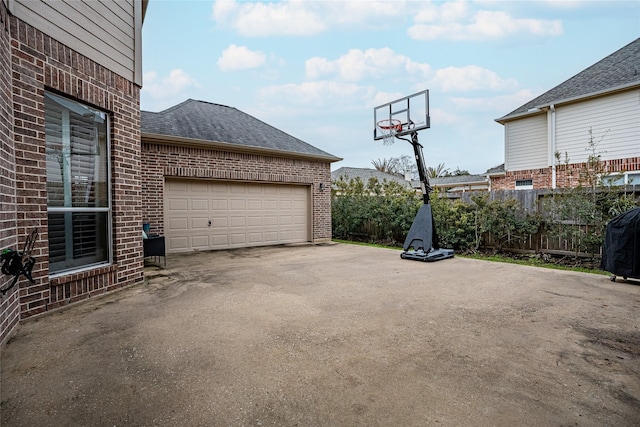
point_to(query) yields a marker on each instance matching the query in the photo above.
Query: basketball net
(388, 129)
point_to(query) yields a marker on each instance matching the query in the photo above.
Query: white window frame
(67, 183)
(523, 187)
(628, 178)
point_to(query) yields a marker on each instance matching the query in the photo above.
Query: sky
(316, 69)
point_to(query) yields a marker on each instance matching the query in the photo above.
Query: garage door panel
(254, 221)
(254, 205)
(178, 243)
(179, 204)
(237, 204)
(285, 220)
(271, 220)
(255, 237)
(271, 205)
(200, 242)
(199, 223)
(220, 222)
(219, 204)
(238, 189)
(177, 186)
(201, 215)
(176, 224)
(237, 239)
(220, 240)
(200, 205)
(238, 221)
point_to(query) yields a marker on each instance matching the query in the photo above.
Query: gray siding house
(547, 139)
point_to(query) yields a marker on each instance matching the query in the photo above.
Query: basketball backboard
(406, 115)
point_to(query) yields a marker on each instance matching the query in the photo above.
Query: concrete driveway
(333, 335)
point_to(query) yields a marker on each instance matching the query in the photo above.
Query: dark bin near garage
(621, 251)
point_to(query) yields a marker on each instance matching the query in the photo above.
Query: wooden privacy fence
(533, 201)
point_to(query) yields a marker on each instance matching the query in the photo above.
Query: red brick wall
(39, 63)
(160, 161)
(567, 176)
(9, 308)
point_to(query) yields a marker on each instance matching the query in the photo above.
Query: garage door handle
(209, 223)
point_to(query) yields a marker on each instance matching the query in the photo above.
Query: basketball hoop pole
(403, 119)
(422, 170)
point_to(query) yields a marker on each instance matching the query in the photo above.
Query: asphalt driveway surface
(333, 335)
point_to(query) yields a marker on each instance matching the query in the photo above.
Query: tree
(438, 171)
(460, 172)
(401, 165)
(385, 165)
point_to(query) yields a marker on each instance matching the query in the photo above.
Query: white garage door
(203, 215)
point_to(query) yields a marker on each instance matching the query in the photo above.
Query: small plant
(579, 215)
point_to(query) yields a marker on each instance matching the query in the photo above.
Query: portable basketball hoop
(403, 119)
(388, 129)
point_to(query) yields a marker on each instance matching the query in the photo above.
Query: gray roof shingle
(209, 122)
(620, 69)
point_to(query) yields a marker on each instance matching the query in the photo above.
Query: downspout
(552, 108)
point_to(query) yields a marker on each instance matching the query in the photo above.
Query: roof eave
(459, 184)
(225, 146)
(539, 109)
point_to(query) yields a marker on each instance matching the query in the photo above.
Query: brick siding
(40, 63)
(9, 307)
(160, 161)
(567, 176)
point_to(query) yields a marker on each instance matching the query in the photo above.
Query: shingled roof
(617, 71)
(222, 126)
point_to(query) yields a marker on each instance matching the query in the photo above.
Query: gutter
(539, 108)
(552, 112)
(226, 146)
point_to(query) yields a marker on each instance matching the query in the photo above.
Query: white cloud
(264, 18)
(357, 65)
(240, 58)
(502, 104)
(302, 18)
(176, 83)
(470, 78)
(314, 94)
(455, 21)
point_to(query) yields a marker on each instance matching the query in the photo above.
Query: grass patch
(530, 260)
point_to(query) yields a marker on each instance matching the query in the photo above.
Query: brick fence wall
(567, 176)
(161, 160)
(40, 63)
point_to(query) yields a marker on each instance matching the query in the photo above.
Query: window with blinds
(79, 208)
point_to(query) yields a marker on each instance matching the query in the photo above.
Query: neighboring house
(70, 78)
(458, 183)
(365, 174)
(217, 178)
(447, 185)
(541, 135)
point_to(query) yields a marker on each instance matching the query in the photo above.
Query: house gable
(598, 106)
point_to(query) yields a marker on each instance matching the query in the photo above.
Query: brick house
(70, 78)
(215, 177)
(547, 139)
